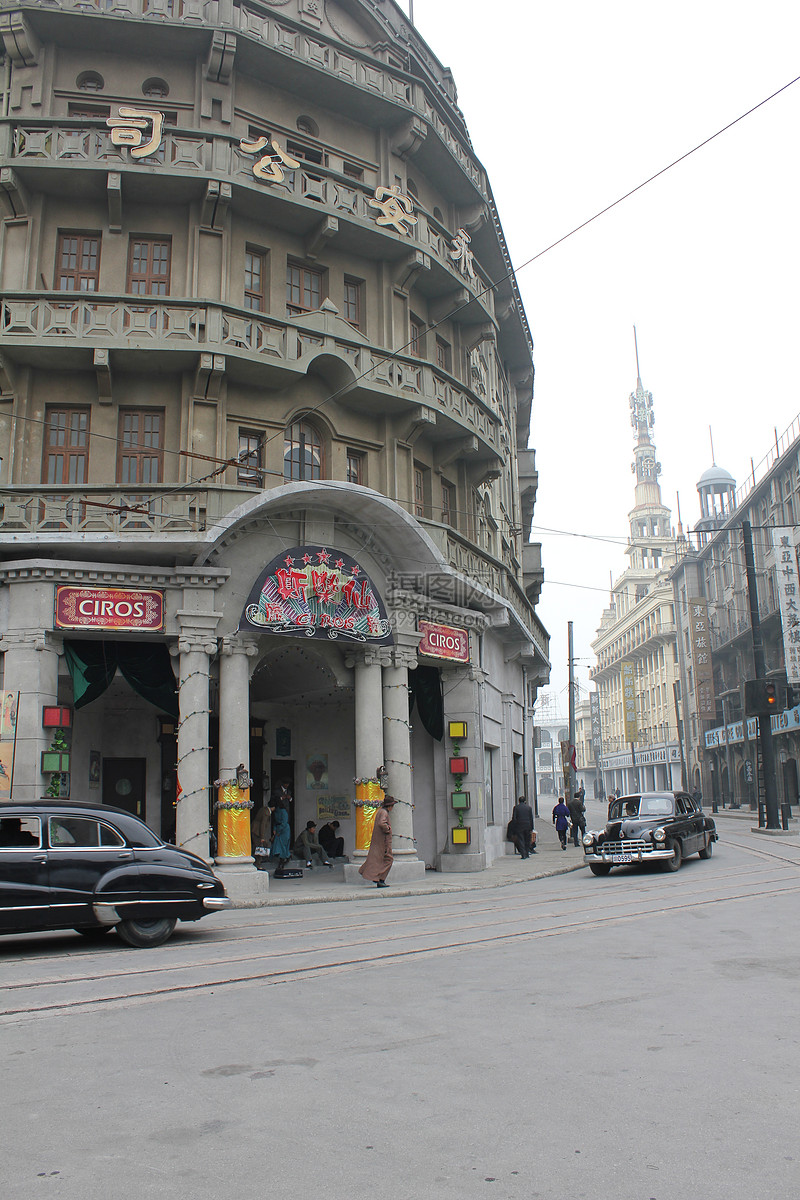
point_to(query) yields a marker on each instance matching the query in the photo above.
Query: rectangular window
(352, 171)
(419, 492)
(248, 473)
(78, 262)
(66, 445)
(149, 262)
(304, 291)
(355, 467)
(141, 446)
(255, 275)
(303, 153)
(353, 308)
(416, 345)
(444, 356)
(448, 503)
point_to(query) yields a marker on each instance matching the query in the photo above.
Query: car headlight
(588, 839)
(660, 835)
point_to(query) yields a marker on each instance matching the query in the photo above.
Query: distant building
(709, 582)
(636, 646)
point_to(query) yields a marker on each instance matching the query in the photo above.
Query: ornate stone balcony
(88, 329)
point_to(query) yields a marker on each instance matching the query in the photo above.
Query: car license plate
(621, 858)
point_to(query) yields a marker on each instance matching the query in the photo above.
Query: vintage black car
(650, 827)
(65, 865)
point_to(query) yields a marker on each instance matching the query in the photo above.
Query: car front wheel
(674, 863)
(599, 868)
(708, 851)
(146, 933)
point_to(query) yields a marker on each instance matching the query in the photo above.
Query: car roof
(13, 808)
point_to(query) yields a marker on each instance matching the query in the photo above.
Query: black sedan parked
(91, 868)
(650, 827)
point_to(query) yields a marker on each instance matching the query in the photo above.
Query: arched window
(302, 452)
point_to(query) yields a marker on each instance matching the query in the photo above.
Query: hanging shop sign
(785, 542)
(116, 609)
(443, 641)
(310, 591)
(705, 699)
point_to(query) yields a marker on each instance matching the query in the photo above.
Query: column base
(785, 833)
(243, 884)
(450, 863)
(404, 870)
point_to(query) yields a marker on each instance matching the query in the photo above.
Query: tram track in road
(493, 934)
(317, 938)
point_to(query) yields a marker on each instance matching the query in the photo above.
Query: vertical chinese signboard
(784, 542)
(705, 699)
(629, 701)
(597, 738)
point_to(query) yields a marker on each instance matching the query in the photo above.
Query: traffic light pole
(764, 726)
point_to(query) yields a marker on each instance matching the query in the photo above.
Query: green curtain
(425, 688)
(145, 665)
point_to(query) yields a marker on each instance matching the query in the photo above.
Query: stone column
(195, 647)
(30, 669)
(368, 729)
(234, 736)
(397, 759)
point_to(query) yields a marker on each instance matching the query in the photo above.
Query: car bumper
(619, 858)
(215, 903)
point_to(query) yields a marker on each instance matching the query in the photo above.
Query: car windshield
(628, 807)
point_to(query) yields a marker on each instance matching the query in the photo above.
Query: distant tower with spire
(652, 543)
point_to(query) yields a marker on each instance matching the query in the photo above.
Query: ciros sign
(116, 609)
(443, 641)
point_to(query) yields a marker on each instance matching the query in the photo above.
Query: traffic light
(761, 697)
(792, 696)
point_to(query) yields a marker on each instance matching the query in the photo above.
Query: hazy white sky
(570, 104)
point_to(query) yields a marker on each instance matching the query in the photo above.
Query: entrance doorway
(124, 784)
(281, 774)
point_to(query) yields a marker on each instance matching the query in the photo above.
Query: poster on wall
(6, 767)
(311, 591)
(334, 808)
(8, 718)
(317, 772)
(95, 768)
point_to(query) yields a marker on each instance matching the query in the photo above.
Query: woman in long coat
(378, 862)
(281, 834)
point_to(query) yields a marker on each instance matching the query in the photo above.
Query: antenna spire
(711, 439)
(636, 347)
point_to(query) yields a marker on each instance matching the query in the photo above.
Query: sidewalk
(321, 884)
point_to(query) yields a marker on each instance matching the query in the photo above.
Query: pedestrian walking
(522, 818)
(561, 821)
(577, 815)
(378, 863)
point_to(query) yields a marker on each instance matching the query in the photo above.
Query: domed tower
(717, 491)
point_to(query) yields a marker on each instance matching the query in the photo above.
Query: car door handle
(40, 858)
(124, 855)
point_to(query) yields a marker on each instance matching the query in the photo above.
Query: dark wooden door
(124, 784)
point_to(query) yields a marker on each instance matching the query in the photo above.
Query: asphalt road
(630, 1037)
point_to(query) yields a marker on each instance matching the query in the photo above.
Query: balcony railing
(93, 321)
(56, 510)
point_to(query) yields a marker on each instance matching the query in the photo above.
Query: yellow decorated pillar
(233, 787)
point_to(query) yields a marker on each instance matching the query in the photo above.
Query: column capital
(238, 645)
(369, 656)
(404, 656)
(32, 639)
(196, 631)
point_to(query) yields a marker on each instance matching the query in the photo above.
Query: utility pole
(764, 726)
(573, 783)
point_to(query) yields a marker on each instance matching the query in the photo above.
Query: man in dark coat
(522, 818)
(330, 840)
(378, 863)
(577, 815)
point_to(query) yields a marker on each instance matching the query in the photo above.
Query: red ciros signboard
(443, 641)
(109, 608)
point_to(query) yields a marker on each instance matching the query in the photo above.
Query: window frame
(416, 341)
(296, 309)
(251, 293)
(354, 302)
(140, 452)
(448, 503)
(302, 423)
(70, 451)
(78, 274)
(357, 459)
(148, 276)
(251, 476)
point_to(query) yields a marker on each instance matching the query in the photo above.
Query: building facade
(265, 395)
(636, 646)
(710, 591)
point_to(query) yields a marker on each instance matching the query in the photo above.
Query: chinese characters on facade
(785, 546)
(141, 130)
(705, 700)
